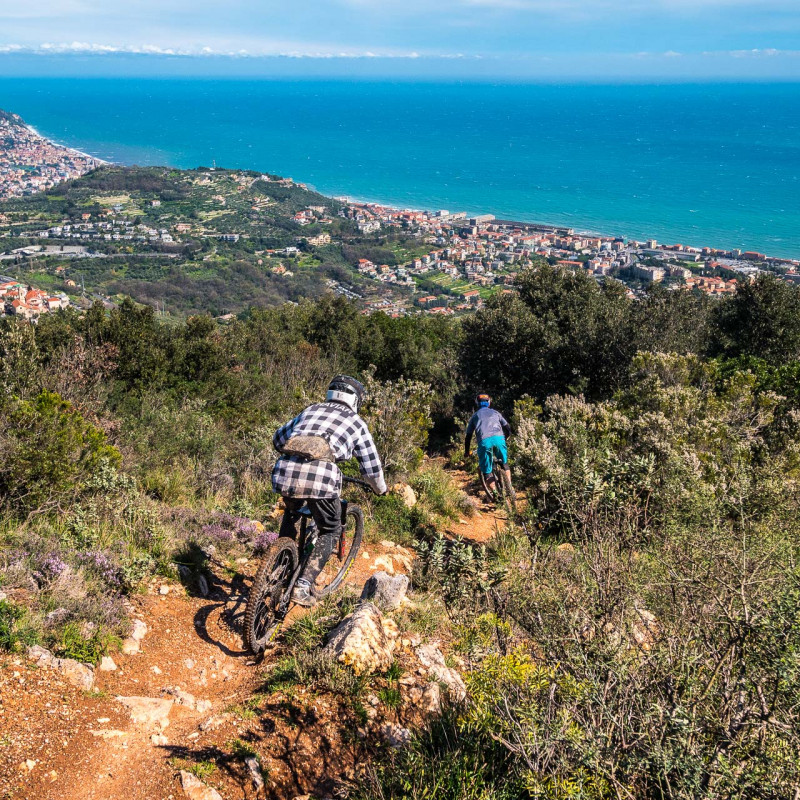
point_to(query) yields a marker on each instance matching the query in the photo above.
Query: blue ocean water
(711, 164)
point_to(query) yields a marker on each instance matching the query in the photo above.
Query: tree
(762, 319)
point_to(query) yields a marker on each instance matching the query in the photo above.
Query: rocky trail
(180, 694)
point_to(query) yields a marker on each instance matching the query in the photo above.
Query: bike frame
(305, 519)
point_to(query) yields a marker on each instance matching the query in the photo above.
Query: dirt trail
(58, 742)
(487, 521)
(85, 745)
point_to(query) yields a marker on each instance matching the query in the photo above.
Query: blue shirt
(486, 422)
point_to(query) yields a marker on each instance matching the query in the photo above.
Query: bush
(48, 452)
(15, 632)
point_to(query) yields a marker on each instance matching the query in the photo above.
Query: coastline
(67, 147)
(370, 201)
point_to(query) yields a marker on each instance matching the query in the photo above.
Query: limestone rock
(182, 698)
(148, 711)
(396, 736)
(195, 789)
(107, 664)
(432, 659)
(202, 585)
(256, 776)
(41, 655)
(159, 740)
(388, 591)
(385, 563)
(108, 734)
(139, 630)
(406, 493)
(80, 675)
(364, 640)
(214, 722)
(426, 699)
(130, 647)
(163, 590)
(645, 628)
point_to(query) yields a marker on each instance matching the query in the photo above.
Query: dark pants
(326, 513)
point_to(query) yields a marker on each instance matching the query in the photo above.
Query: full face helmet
(347, 390)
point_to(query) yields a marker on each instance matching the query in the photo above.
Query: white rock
(254, 768)
(130, 647)
(214, 722)
(139, 630)
(387, 591)
(79, 675)
(164, 590)
(385, 563)
(106, 734)
(182, 698)
(156, 669)
(395, 735)
(202, 585)
(148, 711)
(159, 740)
(427, 699)
(407, 494)
(364, 640)
(188, 663)
(195, 789)
(107, 664)
(203, 706)
(432, 659)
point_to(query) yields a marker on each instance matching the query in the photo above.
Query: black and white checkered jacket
(347, 435)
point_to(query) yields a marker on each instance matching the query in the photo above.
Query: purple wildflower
(102, 565)
(218, 532)
(262, 542)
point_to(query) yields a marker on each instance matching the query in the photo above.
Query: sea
(701, 164)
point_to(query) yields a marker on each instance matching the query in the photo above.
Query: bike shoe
(302, 594)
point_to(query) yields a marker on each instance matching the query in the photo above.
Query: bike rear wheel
(342, 558)
(266, 605)
(509, 495)
(486, 490)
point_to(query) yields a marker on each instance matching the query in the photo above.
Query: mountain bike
(271, 593)
(505, 494)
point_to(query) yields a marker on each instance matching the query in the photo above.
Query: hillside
(632, 632)
(206, 240)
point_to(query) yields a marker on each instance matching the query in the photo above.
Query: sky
(683, 39)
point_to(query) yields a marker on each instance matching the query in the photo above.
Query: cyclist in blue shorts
(490, 429)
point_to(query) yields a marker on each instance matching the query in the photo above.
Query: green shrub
(15, 632)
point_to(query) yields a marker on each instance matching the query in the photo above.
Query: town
(475, 257)
(30, 163)
(221, 241)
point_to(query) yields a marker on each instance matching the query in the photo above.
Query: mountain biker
(306, 472)
(490, 429)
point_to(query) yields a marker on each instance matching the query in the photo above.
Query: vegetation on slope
(638, 636)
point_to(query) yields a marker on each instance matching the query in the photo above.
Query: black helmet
(482, 398)
(347, 390)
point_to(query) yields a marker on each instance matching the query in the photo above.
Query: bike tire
(263, 617)
(509, 495)
(355, 514)
(486, 490)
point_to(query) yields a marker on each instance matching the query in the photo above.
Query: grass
(241, 749)
(390, 696)
(200, 769)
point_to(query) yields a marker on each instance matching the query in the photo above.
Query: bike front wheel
(267, 606)
(344, 554)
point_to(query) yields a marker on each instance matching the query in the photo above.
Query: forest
(634, 634)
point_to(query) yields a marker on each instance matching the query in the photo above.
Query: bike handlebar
(358, 482)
